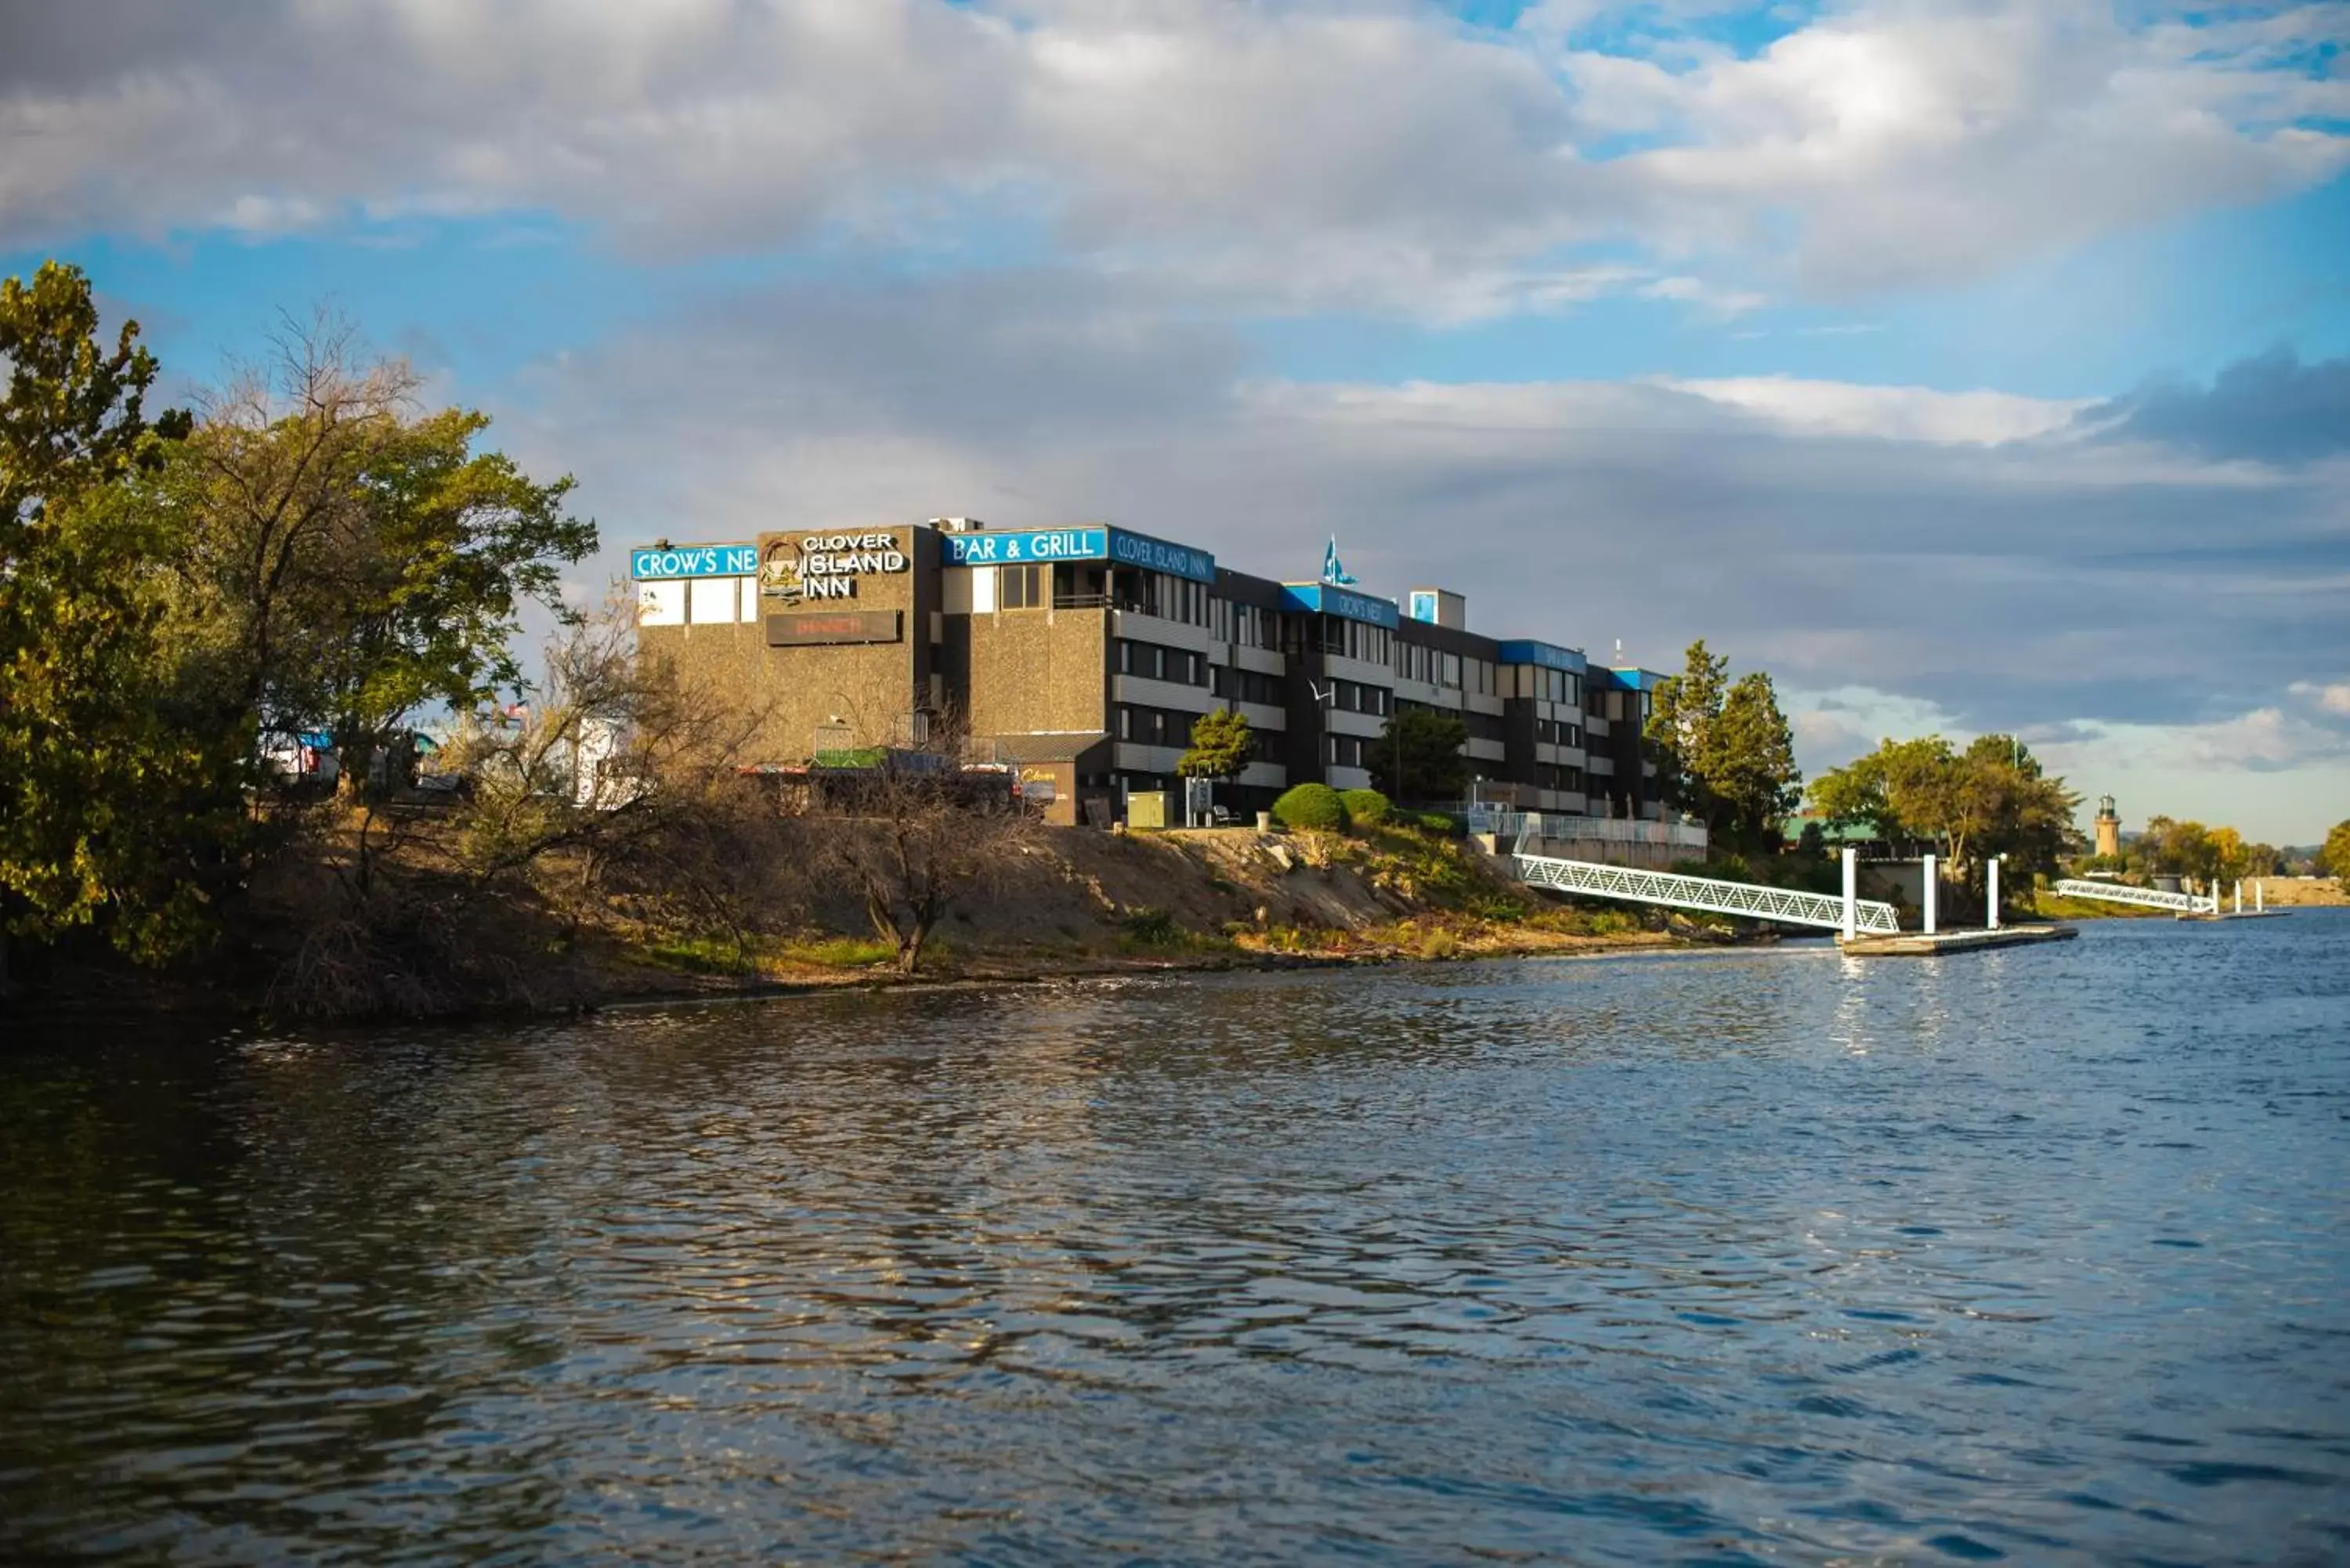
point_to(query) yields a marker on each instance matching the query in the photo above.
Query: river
(1714, 1257)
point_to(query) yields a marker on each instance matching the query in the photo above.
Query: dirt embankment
(1071, 902)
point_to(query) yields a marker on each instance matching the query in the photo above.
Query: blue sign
(658, 565)
(1005, 549)
(1423, 605)
(1328, 598)
(1548, 655)
(1159, 556)
(985, 549)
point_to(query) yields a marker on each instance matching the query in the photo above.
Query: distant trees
(1419, 756)
(1991, 799)
(1723, 751)
(2175, 848)
(2333, 855)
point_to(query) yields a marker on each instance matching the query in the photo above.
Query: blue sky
(1967, 365)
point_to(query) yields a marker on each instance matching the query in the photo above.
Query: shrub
(1311, 807)
(1365, 807)
(1442, 822)
(1148, 927)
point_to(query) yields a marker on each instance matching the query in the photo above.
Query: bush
(1150, 926)
(1365, 807)
(1442, 822)
(1311, 807)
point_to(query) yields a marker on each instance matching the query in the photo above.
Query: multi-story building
(1084, 655)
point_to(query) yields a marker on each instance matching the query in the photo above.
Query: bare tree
(918, 827)
(615, 752)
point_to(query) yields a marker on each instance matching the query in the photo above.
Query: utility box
(1147, 808)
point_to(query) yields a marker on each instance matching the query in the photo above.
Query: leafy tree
(1749, 763)
(1221, 745)
(1991, 799)
(352, 561)
(1724, 752)
(1419, 756)
(106, 804)
(1682, 712)
(2333, 855)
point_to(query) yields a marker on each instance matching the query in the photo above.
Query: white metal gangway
(1589, 879)
(2145, 898)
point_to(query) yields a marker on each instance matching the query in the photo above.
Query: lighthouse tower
(2109, 827)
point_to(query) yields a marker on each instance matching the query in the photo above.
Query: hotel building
(1083, 655)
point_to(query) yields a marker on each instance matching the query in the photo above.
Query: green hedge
(1315, 807)
(1365, 807)
(1442, 822)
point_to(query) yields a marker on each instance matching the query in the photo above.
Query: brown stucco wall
(1039, 670)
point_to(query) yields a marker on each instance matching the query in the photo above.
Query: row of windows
(1552, 776)
(1356, 697)
(1558, 733)
(1154, 726)
(1156, 662)
(1247, 686)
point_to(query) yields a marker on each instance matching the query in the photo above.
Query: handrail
(1590, 880)
(2144, 897)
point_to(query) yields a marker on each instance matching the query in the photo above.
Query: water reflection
(1719, 1256)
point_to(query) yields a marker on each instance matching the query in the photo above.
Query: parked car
(301, 758)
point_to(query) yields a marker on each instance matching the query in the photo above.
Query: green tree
(1749, 763)
(1419, 756)
(350, 560)
(2334, 856)
(1682, 712)
(105, 803)
(1221, 745)
(1991, 799)
(1723, 749)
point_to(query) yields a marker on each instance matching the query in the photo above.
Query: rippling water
(1718, 1258)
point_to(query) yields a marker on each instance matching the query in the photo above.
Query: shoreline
(635, 982)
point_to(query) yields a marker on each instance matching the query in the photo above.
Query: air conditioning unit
(958, 525)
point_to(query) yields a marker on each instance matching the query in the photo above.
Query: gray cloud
(2032, 583)
(1376, 154)
(2269, 408)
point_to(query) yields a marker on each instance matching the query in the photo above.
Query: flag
(1332, 571)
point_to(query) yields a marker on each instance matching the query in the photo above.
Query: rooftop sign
(663, 563)
(1328, 598)
(1092, 544)
(1549, 655)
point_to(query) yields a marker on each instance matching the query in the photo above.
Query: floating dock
(1922, 944)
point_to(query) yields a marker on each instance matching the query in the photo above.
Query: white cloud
(1895, 414)
(2332, 699)
(1296, 156)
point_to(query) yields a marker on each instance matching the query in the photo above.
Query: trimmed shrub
(1311, 807)
(1442, 822)
(1365, 807)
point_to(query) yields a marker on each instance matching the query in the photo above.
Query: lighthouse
(2109, 828)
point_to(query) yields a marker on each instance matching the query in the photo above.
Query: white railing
(1564, 827)
(2144, 897)
(1588, 880)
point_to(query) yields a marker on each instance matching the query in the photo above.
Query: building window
(1020, 588)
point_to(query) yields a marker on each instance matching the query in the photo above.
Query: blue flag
(1332, 571)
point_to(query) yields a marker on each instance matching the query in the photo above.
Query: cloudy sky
(1967, 365)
